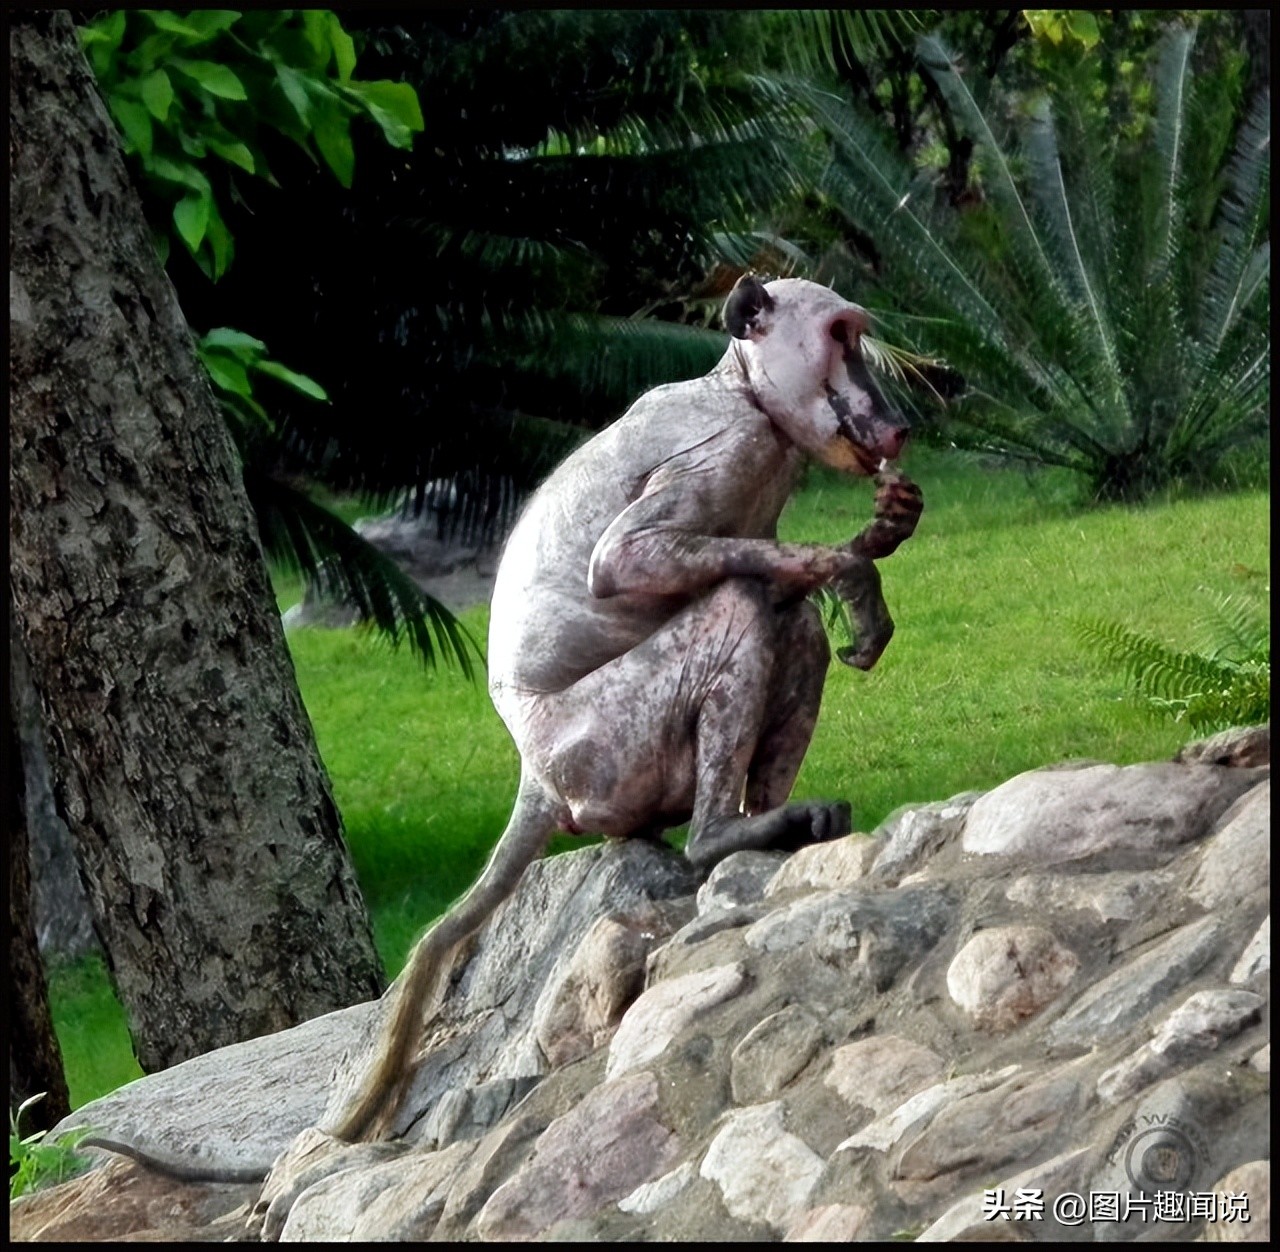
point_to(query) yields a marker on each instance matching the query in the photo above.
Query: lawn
(984, 678)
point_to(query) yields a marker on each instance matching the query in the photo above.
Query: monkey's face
(799, 345)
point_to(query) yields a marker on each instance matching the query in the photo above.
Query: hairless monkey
(651, 648)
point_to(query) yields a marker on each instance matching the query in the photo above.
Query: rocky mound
(1058, 988)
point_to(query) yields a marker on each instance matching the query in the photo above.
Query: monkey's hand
(899, 504)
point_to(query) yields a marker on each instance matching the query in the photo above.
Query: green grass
(984, 678)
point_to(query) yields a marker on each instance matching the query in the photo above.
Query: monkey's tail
(367, 1111)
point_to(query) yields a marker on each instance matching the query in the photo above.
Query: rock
(1009, 973)
(1237, 861)
(1202, 1022)
(882, 1071)
(764, 1173)
(741, 878)
(1054, 1177)
(208, 1111)
(839, 863)
(772, 1054)
(985, 1130)
(910, 836)
(649, 1197)
(916, 1112)
(877, 931)
(594, 1155)
(123, 1201)
(1255, 960)
(828, 1223)
(666, 1009)
(1117, 896)
(583, 1004)
(1111, 1006)
(1063, 815)
(782, 1071)
(397, 1200)
(1243, 1205)
(1243, 747)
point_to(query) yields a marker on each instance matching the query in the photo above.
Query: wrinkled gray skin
(652, 651)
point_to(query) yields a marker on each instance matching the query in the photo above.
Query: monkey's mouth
(868, 460)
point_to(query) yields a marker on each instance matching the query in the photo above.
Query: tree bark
(35, 1061)
(183, 761)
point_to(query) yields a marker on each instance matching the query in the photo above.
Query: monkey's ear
(746, 302)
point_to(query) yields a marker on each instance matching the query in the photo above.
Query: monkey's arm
(665, 543)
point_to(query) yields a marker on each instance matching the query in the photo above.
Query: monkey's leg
(366, 1104)
(802, 657)
(737, 729)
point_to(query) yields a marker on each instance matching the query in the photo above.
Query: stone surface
(764, 1173)
(649, 1197)
(1063, 815)
(915, 1113)
(1255, 960)
(122, 1201)
(1053, 1177)
(1242, 746)
(1251, 1180)
(985, 1130)
(824, 866)
(910, 836)
(1009, 973)
(772, 1054)
(595, 1155)
(1198, 1026)
(1124, 997)
(664, 1011)
(788, 1067)
(740, 879)
(1118, 896)
(828, 1223)
(1236, 866)
(882, 1071)
(584, 1003)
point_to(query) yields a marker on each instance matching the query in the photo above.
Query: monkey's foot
(790, 827)
(868, 649)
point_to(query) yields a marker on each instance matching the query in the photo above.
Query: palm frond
(303, 536)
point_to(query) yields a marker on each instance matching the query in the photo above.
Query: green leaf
(135, 122)
(333, 137)
(394, 106)
(344, 50)
(295, 90)
(299, 382)
(211, 22)
(235, 341)
(1083, 26)
(315, 29)
(181, 172)
(104, 30)
(228, 373)
(163, 19)
(157, 94)
(217, 80)
(237, 153)
(221, 245)
(191, 217)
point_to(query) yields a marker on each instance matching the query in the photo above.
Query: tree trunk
(182, 759)
(35, 1062)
